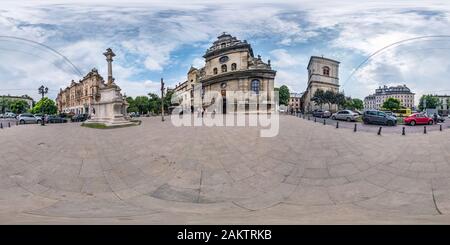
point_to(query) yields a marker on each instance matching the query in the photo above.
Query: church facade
(230, 67)
(323, 73)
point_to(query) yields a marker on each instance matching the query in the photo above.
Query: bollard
(17, 123)
(9, 124)
(315, 119)
(354, 129)
(1, 125)
(440, 127)
(403, 131)
(337, 124)
(424, 129)
(379, 130)
(309, 118)
(324, 122)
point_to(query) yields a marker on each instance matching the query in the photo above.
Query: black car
(79, 118)
(55, 119)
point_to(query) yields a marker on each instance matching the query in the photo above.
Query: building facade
(230, 67)
(323, 73)
(295, 101)
(401, 92)
(79, 96)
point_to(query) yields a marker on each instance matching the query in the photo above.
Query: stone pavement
(156, 173)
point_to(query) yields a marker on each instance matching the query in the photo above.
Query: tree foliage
(283, 95)
(19, 106)
(45, 106)
(391, 104)
(428, 101)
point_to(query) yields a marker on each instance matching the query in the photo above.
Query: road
(385, 129)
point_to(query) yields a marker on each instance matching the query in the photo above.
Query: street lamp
(42, 91)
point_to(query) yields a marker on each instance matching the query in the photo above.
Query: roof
(322, 58)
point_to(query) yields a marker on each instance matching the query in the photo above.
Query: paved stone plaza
(156, 173)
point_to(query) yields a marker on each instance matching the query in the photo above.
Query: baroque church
(230, 67)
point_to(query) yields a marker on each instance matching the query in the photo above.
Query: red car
(418, 118)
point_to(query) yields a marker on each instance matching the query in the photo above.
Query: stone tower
(323, 73)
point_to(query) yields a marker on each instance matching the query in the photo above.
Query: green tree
(154, 103)
(391, 104)
(46, 106)
(319, 97)
(19, 106)
(329, 98)
(4, 104)
(168, 100)
(340, 99)
(358, 104)
(131, 105)
(428, 101)
(353, 104)
(141, 103)
(283, 95)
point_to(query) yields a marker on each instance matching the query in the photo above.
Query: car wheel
(333, 117)
(349, 119)
(390, 123)
(412, 123)
(430, 122)
(22, 122)
(38, 121)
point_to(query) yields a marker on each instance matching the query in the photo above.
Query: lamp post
(42, 91)
(162, 100)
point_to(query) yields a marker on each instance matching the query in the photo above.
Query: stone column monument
(110, 106)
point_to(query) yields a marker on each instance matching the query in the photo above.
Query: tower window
(222, 45)
(233, 66)
(326, 71)
(255, 86)
(215, 71)
(224, 68)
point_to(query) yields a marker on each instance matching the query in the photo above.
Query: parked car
(9, 115)
(347, 115)
(440, 118)
(79, 118)
(28, 118)
(55, 119)
(418, 118)
(321, 113)
(378, 117)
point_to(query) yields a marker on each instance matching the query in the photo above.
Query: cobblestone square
(156, 173)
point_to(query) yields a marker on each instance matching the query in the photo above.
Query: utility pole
(42, 90)
(162, 100)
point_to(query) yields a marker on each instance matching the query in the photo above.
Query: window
(233, 66)
(255, 86)
(215, 71)
(224, 68)
(222, 45)
(326, 71)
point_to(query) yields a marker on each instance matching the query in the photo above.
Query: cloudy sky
(154, 39)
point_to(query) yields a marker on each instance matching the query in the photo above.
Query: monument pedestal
(111, 108)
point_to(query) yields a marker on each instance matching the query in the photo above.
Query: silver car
(28, 118)
(346, 115)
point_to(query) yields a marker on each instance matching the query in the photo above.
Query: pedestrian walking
(435, 118)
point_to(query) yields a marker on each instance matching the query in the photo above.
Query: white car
(347, 115)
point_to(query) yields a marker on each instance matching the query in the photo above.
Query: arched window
(215, 71)
(255, 85)
(233, 66)
(224, 68)
(222, 45)
(326, 71)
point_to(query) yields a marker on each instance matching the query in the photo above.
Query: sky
(52, 42)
